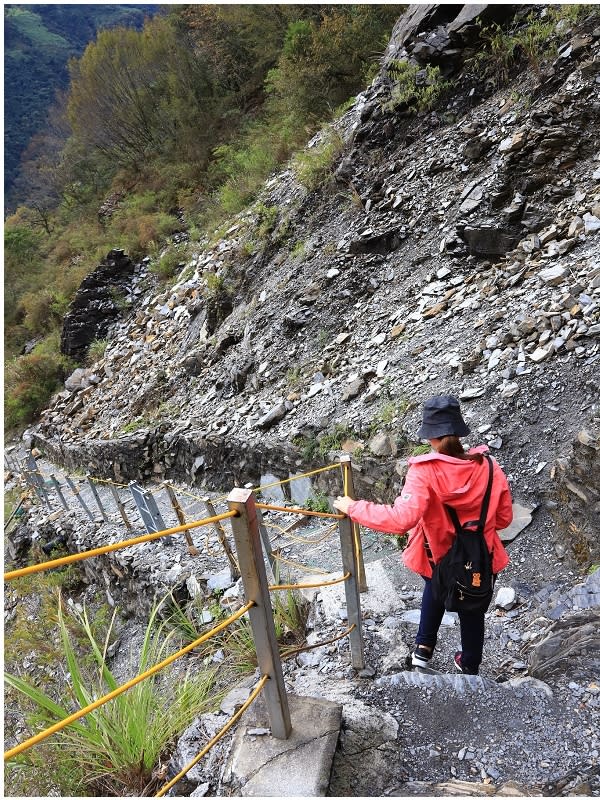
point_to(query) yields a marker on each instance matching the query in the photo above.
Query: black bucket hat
(442, 417)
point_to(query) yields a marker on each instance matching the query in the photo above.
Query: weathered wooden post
(120, 507)
(222, 536)
(96, 496)
(77, 494)
(346, 463)
(56, 485)
(350, 564)
(256, 589)
(192, 549)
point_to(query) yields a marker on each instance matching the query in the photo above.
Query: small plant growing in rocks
(266, 220)
(169, 264)
(96, 350)
(313, 166)
(416, 89)
(318, 502)
(122, 744)
(293, 377)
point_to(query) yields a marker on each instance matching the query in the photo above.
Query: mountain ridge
(38, 42)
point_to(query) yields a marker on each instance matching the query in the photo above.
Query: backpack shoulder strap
(484, 505)
(486, 497)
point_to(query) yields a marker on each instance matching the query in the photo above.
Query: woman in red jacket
(455, 477)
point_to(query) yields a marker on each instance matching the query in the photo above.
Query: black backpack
(463, 579)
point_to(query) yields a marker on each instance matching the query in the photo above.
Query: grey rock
(505, 598)
(277, 413)
(234, 700)
(383, 444)
(353, 389)
(553, 276)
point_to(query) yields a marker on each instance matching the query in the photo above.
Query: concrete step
(461, 684)
(261, 766)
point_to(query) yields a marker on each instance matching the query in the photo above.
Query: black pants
(471, 629)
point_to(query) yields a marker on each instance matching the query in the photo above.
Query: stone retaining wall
(215, 463)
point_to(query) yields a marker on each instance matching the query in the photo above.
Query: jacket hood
(454, 480)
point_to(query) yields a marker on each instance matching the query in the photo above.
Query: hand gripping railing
(351, 558)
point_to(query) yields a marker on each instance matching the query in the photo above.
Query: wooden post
(233, 564)
(349, 562)
(77, 494)
(254, 577)
(96, 496)
(59, 491)
(264, 535)
(38, 480)
(192, 549)
(120, 506)
(361, 575)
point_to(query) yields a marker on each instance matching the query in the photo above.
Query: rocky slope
(454, 251)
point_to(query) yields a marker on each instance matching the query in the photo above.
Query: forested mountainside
(39, 40)
(169, 129)
(439, 236)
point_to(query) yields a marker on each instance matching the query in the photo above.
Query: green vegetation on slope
(187, 116)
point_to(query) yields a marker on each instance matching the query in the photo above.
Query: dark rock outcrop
(96, 304)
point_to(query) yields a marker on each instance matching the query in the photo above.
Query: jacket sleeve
(400, 517)
(504, 510)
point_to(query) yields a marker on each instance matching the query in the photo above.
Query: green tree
(135, 95)
(22, 261)
(326, 60)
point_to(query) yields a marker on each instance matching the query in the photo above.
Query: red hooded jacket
(432, 480)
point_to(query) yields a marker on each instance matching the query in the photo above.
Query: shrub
(243, 169)
(312, 447)
(420, 449)
(297, 250)
(313, 166)
(266, 220)
(531, 40)
(169, 264)
(30, 382)
(318, 502)
(43, 310)
(96, 350)
(214, 284)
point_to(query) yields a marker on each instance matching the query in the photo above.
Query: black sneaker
(421, 656)
(459, 664)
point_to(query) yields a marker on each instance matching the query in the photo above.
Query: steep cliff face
(449, 251)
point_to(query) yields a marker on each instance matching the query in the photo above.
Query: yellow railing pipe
(63, 723)
(98, 551)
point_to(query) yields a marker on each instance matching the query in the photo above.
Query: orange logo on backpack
(476, 579)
